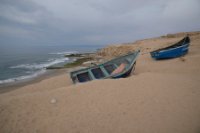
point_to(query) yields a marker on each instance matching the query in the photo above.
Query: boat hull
(176, 50)
(170, 53)
(119, 67)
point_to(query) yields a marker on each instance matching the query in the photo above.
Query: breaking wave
(11, 80)
(65, 53)
(50, 62)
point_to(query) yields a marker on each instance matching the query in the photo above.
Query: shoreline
(4, 88)
(50, 72)
(74, 59)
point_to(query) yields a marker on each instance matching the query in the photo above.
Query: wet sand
(17, 85)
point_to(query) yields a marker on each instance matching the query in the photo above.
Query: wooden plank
(91, 74)
(104, 71)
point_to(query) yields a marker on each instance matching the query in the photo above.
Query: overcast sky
(93, 22)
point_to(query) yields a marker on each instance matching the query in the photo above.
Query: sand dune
(160, 96)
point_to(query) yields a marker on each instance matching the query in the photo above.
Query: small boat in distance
(119, 67)
(178, 49)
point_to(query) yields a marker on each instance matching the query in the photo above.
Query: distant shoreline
(49, 72)
(27, 63)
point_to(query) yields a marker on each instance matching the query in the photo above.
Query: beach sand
(160, 96)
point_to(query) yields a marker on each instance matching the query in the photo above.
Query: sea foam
(11, 80)
(65, 53)
(50, 62)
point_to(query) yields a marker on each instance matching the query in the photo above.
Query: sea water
(18, 63)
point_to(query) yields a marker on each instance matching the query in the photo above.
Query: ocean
(18, 63)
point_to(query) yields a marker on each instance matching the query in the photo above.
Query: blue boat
(176, 50)
(119, 67)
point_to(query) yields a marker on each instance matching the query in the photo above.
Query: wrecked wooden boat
(178, 49)
(119, 67)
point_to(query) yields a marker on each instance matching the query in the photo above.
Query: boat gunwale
(92, 67)
(136, 54)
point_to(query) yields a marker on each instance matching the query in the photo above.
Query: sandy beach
(159, 96)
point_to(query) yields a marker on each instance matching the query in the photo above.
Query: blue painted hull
(172, 51)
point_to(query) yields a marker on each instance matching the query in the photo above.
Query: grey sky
(93, 22)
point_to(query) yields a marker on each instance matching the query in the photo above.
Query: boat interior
(104, 70)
